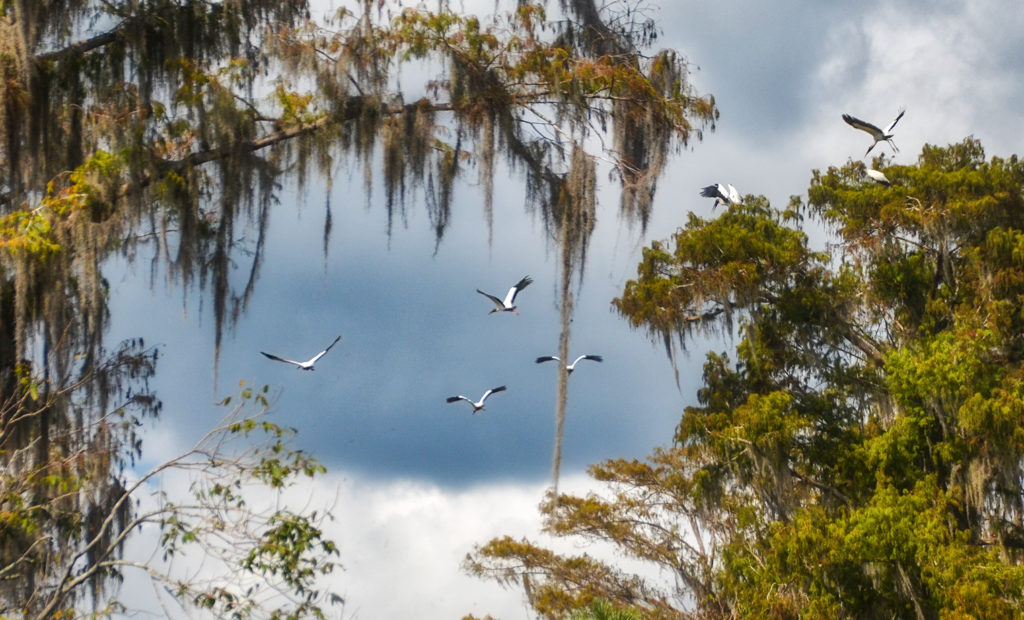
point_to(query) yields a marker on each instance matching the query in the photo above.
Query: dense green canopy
(861, 452)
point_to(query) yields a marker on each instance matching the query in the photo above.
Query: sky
(416, 482)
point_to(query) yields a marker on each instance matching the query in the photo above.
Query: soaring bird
(571, 367)
(875, 132)
(307, 365)
(477, 405)
(506, 305)
(723, 194)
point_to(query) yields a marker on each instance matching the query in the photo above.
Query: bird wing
(714, 191)
(856, 123)
(546, 358)
(497, 302)
(324, 352)
(500, 388)
(596, 358)
(453, 399)
(734, 195)
(898, 117)
(510, 298)
(281, 359)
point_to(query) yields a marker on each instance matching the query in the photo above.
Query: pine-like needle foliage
(861, 452)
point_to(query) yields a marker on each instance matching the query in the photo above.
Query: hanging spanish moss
(576, 220)
(165, 129)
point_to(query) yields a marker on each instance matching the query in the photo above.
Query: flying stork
(478, 405)
(571, 367)
(875, 132)
(307, 365)
(507, 304)
(723, 194)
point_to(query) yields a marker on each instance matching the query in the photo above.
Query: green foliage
(556, 585)
(27, 232)
(863, 456)
(601, 609)
(231, 470)
(258, 548)
(745, 257)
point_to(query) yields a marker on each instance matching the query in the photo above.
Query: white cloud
(402, 545)
(951, 68)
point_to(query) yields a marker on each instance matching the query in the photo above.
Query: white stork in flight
(307, 365)
(875, 132)
(571, 367)
(507, 304)
(477, 405)
(723, 194)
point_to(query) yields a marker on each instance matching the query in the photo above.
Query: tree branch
(820, 486)
(82, 47)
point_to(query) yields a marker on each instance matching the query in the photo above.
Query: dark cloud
(758, 59)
